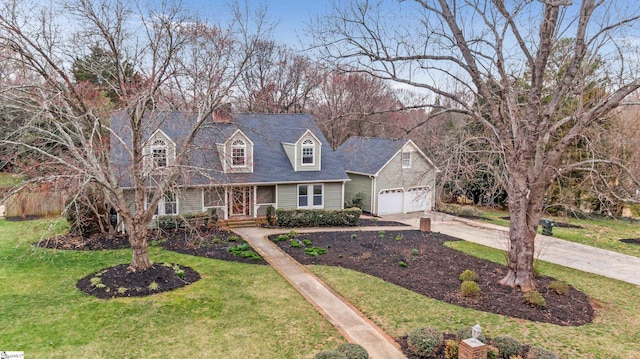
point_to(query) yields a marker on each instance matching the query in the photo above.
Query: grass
(613, 334)
(602, 233)
(235, 311)
(9, 180)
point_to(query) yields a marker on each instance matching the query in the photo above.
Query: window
(310, 196)
(213, 197)
(168, 204)
(159, 153)
(238, 153)
(308, 148)
(406, 159)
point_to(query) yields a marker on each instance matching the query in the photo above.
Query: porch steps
(241, 223)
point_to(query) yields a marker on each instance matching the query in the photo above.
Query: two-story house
(238, 165)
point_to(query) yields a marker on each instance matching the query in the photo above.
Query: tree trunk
(524, 218)
(140, 249)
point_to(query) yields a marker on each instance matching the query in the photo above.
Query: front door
(240, 201)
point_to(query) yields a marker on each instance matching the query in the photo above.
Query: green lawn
(597, 232)
(234, 311)
(613, 334)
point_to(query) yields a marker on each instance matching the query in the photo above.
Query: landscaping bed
(422, 263)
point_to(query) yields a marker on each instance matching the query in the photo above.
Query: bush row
(318, 218)
(198, 219)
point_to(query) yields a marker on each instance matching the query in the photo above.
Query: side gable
(416, 159)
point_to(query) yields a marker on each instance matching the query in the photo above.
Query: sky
(290, 16)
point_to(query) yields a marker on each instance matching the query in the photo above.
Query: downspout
(374, 198)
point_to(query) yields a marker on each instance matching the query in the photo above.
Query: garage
(418, 199)
(390, 201)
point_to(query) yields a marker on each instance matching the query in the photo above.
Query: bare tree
(500, 53)
(279, 80)
(180, 63)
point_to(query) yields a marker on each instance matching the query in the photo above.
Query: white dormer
(236, 153)
(159, 151)
(306, 153)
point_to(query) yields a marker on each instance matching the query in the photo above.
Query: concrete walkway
(347, 319)
(550, 249)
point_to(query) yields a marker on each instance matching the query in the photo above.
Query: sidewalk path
(347, 319)
(550, 249)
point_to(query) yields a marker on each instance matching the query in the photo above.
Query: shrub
(492, 353)
(425, 341)
(329, 355)
(541, 353)
(534, 298)
(507, 346)
(356, 201)
(468, 275)
(307, 242)
(415, 251)
(402, 264)
(465, 333)
(399, 237)
(469, 289)
(296, 244)
(198, 219)
(353, 351)
(450, 349)
(271, 220)
(318, 217)
(315, 251)
(280, 238)
(559, 287)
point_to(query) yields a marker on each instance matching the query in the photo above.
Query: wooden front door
(240, 201)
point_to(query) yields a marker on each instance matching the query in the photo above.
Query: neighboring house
(394, 176)
(238, 164)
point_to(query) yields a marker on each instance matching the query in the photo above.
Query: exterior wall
(290, 150)
(359, 183)
(333, 196)
(288, 196)
(190, 200)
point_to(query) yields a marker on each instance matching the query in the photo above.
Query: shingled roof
(266, 131)
(367, 155)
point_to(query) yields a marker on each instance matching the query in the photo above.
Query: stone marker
(472, 348)
(425, 224)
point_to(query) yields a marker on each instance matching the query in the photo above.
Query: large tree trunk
(140, 248)
(525, 208)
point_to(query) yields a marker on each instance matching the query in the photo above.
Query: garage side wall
(359, 184)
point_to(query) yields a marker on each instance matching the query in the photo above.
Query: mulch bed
(76, 242)
(119, 281)
(434, 272)
(372, 222)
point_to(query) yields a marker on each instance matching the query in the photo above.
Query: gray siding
(333, 196)
(290, 150)
(190, 200)
(359, 183)
(393, 175)
(287, 196)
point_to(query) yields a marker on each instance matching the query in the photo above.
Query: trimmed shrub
(465, 333)
(425, 341)
(537, 352)
(329, 355)
(559, 287)
(353, 351)
(469, 289)
(468, 275)
(450, 349)
(315, 251)
(318, 217)
(534, 298)
(507, 346)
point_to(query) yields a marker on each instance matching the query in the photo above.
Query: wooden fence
(35, 204)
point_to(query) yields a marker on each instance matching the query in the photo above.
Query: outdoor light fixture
(476, 331)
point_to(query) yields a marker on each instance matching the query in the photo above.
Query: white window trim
(308, 143)
(235, 145)
(410, 158)
(310, 196)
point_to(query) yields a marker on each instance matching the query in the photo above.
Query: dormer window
(308, 149)
(159, 153)
(238, 153)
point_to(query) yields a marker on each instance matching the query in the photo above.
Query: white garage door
(390, 201)
(418, 199)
